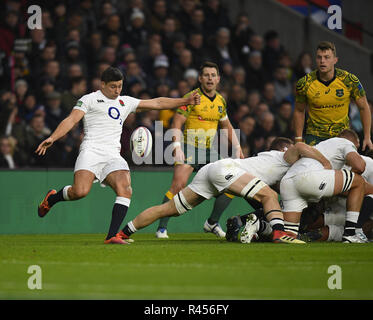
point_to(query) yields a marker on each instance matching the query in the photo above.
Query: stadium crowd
(159, 46)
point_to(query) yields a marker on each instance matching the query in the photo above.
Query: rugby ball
(141, 142)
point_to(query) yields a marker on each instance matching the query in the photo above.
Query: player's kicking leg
(120, 182)
(83, 180)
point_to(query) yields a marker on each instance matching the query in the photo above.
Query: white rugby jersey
(334, 149)
(368, 172)
(104, 118)
(269, 166)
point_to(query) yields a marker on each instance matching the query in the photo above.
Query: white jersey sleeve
(131, 103)
(83, 103)
(368, 172)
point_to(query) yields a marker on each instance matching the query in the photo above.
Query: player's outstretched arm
(356, 162)
(63, 128)
(298, 120)
(301, 149)
(169, 103)
(365, 117)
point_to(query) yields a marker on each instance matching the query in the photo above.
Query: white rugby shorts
(213, 178)
(306, 187)
(100, 162)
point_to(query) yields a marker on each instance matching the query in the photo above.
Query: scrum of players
(320, 204)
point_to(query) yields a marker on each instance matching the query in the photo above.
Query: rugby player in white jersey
(248, 178)
(103, 113)
(306, 181)
(329, 226)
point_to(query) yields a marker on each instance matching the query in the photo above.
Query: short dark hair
(111, 74)
(279, 143)
(327, 45)
(208, 64)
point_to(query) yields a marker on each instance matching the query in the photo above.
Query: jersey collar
(326, 83)
(211, 98)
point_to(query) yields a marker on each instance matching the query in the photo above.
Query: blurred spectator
(191, 76)
(169, 31)
(247, 126)
(285, 61)
(237, 96)
(269, 96)
(283, 86)
(8, 111)
(241, 111)
(9, 156)
(303, 65)
(256, 75)
(160, 73)
(185, 14)
(242, 33)
(253, 100)
(178, 46)
(183, 87)
(216, 17)
(60, 23)
(256, 43)
(149, 51)
(54, 114)
(284, 119)
(185, 62)
(196, 46)
(21, 87)
(70, 97)
(52, 71)
(10, 29)
(134, 73)
(30, 108)
(272, 51)
(158, 14)
(136, 33)
(197, 21)
(222, 49)
(266, 125)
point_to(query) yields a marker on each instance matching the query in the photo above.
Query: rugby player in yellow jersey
(200, 126)
(327, 92)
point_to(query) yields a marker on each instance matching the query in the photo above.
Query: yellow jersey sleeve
(356, 88)
(301, 92)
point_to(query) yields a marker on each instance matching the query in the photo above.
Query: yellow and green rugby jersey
(202, 120)
(328, 102)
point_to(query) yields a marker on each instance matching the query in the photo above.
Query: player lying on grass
(248, 178)
(103, 113)
(306, 181)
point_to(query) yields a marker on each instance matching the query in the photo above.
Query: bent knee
(80, 192)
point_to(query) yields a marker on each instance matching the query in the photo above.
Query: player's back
(269, 166)
(334, 149)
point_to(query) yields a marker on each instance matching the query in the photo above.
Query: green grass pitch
(186, 266)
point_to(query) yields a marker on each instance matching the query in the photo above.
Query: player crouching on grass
(236, 177)
(306, 181)
(103, 112)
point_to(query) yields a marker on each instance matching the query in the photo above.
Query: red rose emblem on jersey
(121, 103)
(184, 108)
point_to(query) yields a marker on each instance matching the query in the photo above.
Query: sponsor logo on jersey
(322, 185)
(79, 103)
(327, 91)
(100, 101)
(220, 109)
(228, 177)
(339, 92)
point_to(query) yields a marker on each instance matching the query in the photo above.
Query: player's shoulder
(306, 80)
(221, 98)
(347, 77)
(90, 96)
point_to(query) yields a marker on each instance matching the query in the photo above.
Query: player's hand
(194, 98)
(179, 154)
(367, 143)
(239, 153)
(42, 148)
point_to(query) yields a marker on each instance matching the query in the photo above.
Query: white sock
(335, 233)
(131, 226)
(352, 216)
(65, 194)
(124, 201)
(291, 227)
